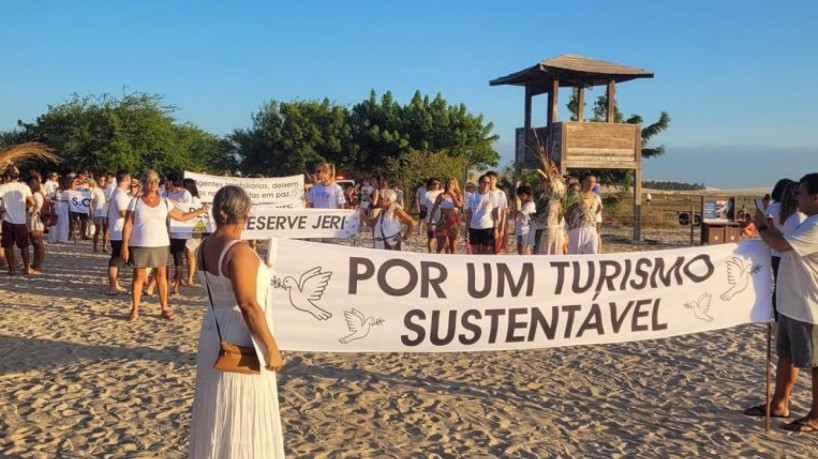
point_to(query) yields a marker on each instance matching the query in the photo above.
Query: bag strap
(209, 295)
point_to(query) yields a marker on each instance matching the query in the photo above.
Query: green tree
(386, 130)
(415, 166)
(135, 132)
(290, 137)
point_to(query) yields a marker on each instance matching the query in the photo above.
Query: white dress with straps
(234, 415)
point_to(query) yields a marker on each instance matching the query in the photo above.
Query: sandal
(760, 410)
(167, 314)
(801, 425)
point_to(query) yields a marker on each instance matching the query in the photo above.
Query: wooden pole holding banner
(768, 399)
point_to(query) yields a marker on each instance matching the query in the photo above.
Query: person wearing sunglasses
(482, 218)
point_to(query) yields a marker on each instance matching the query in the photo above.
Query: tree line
(377, 135)
(673, 186)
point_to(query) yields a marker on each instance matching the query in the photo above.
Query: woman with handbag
(235, 406)
(145, 240)
(388, 225)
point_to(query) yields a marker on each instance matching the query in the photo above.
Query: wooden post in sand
(692, 224)
(768, 400)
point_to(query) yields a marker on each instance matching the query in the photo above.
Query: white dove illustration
(738, 276)
(304, 293)
(701, 307)
(358, 324)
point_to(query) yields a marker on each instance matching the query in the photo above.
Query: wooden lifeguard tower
(577, 144)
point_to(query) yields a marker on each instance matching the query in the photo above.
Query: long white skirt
(59, 232)
(234, 415)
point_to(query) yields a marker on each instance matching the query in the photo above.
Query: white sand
(78, 381)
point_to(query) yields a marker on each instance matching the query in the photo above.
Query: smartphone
(760, 205)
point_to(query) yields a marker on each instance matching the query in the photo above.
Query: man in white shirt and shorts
(17, 199)
(797, 300)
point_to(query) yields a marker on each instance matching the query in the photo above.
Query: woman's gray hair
(148, 173)
(393, 205)
(231, 205)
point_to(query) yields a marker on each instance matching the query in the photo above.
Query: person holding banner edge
(797, 302)
(234, 414)
(145, 240)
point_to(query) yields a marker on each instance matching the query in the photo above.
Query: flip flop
(800, 425)
(759, 410)
(167, 314)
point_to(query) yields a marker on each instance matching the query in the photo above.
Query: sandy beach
(77, 380)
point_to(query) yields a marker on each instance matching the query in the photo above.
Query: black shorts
(14, 235)
(116, 260)
(423, 213)
(78, 215)
(177, 250)
(481, 236)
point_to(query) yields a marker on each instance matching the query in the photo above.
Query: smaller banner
(270, 221)
(274, 190)
(78, 201)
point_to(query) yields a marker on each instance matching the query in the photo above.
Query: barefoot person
(797, 300)
(17, 199)
(117, 209)
(234, 415)
(145, 240)
(36, 226)
(99, 212)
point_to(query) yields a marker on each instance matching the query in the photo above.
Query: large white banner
(337, 298)
(274, 190)
(78, 201)
(271, 221)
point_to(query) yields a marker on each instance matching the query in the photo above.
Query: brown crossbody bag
(232, 357)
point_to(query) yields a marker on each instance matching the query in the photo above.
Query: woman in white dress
(234, 415)
(59, 232)
(387, 225)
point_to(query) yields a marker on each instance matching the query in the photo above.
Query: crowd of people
(120, 214)
(562, 215)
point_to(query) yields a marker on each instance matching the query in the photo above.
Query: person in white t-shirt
(117, 209)
(523, 220)
(482, 218)
(367, 192)
(502, 212)
(797, 299)
(50, 186)
(420, 206)
(183, 200)
(98, 206)
(17, 200)
(433, 190)
(325, 193)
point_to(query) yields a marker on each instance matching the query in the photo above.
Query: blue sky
(735, 77)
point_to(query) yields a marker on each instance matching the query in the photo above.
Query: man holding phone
(797, 300)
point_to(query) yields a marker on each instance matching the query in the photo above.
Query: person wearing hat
(17, 199)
